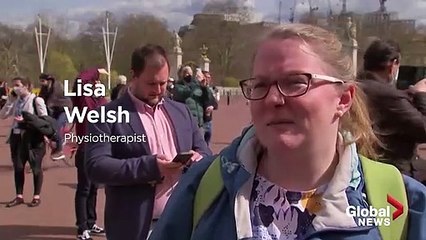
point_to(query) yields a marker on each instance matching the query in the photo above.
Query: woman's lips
(280, 122)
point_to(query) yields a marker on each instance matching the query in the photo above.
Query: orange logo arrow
(399, 207)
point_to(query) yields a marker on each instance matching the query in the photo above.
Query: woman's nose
(274, 96)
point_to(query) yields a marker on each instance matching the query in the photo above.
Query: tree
(17, 53)
(61, 65)
(8, 58)
(228, 44)
(230, 82)
(62, 26)
(137, 30)
(227, 48)
(89, 44)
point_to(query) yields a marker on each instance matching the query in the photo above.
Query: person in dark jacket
(86, 194)
(52, 91)
(4, 92)
(40, 123)
(26, 144)
(189, 91)
(399, 116)
(211, 105)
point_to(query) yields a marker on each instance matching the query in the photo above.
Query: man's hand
(196, 156)
(209, 109)
(166, 165)
(420, 86)
(19, 119)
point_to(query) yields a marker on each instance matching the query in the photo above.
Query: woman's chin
(286, 141)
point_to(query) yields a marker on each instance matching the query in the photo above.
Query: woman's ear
(346, 99)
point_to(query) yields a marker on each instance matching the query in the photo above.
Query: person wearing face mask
(26, 144)
(190, 91)
(398, 115)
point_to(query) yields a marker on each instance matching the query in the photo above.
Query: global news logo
(370, 217)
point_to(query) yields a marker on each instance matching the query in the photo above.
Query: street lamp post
(109, 50)
(41, 49)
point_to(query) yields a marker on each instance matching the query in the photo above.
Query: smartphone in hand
(183, 157)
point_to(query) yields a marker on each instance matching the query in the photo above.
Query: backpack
(381, 180)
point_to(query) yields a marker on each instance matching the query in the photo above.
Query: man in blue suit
(140, 176)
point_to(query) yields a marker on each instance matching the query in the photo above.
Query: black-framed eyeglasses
(292, 85)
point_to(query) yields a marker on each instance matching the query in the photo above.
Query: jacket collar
(136, 125)
(239, 163)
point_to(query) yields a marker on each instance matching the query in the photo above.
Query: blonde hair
(122, 79)
(187, 69)
(328, 46)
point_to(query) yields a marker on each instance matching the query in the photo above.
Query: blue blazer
(129, 170)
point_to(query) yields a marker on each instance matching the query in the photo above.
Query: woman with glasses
(299, 170)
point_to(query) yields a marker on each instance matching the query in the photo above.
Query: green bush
(230, 82)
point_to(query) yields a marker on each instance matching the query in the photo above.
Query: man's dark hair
(25, 81)
(141, 55)
(46, 76)
(380, 53)
(205, 72)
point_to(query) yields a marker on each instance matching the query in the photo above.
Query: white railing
(233, 91)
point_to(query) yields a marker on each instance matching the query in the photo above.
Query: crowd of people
(321, 140)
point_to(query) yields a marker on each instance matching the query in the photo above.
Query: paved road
(54, 218)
